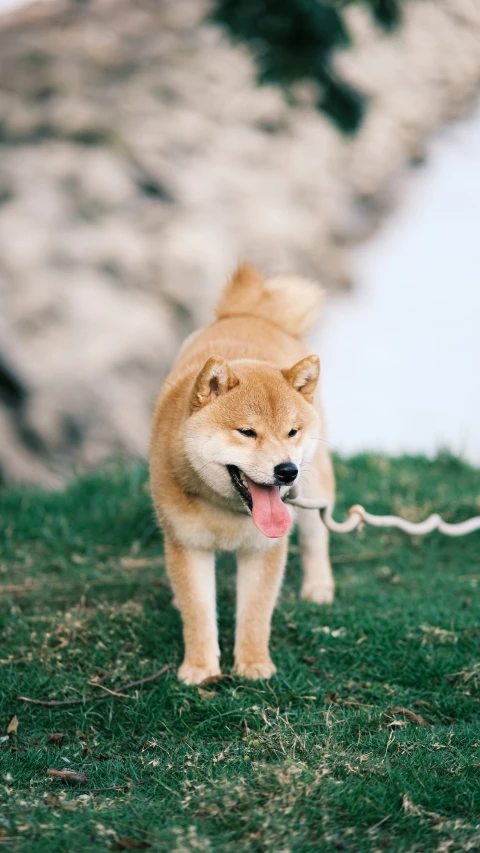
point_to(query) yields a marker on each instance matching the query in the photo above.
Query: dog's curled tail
(293, 304)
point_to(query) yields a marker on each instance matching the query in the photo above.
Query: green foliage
(366, 739)
(293, 41)
(386, 12)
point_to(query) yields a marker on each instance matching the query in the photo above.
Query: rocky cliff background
(140, 160)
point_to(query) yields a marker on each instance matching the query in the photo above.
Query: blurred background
(147, 147)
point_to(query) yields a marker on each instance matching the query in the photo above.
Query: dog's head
(252, 427)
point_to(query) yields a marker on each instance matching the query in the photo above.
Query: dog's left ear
(303, 376)
(214, 379)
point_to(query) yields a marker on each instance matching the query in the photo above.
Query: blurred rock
(139, 162)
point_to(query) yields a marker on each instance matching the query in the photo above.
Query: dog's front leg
(258, 584)
(192, 576)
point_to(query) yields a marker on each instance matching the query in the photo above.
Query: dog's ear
(303, 376)
(214, 379)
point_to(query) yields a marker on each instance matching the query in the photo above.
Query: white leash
(358, 516)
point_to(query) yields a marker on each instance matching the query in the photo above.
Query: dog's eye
(250, 433)
(292, 433)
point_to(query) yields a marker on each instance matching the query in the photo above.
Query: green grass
(316, 760)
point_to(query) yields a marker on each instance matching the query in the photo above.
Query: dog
(236, 427)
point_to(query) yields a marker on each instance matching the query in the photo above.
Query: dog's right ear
(214, 379)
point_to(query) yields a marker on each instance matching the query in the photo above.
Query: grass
(367, 739)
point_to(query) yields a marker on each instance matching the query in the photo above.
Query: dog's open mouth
(240, 483)
(269, 513)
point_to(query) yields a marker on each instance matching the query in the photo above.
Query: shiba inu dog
(236, 427)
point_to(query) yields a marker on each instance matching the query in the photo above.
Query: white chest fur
(214, 529)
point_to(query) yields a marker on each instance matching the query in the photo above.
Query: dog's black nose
(285, 473)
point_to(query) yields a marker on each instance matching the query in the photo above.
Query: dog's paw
(193, 673)
(318, 594)
(255, 669)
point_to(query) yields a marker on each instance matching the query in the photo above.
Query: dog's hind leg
(318, 482)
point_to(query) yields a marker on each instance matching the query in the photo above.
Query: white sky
(9, 4)
(401, 356)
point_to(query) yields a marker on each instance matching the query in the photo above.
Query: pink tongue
(269, 514)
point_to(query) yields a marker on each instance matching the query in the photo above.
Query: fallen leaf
(13, 726)
(206, 694)
(440, 634)
(52, 800)
(331, 697)
(141, 562)
(56, 737)
(410, 808)
(69, 776)
(411, 715)
(466, 676)
(325, 629)
(335, 699)
(123, 843)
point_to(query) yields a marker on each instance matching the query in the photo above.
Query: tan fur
(247, 370)
(291, 303)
